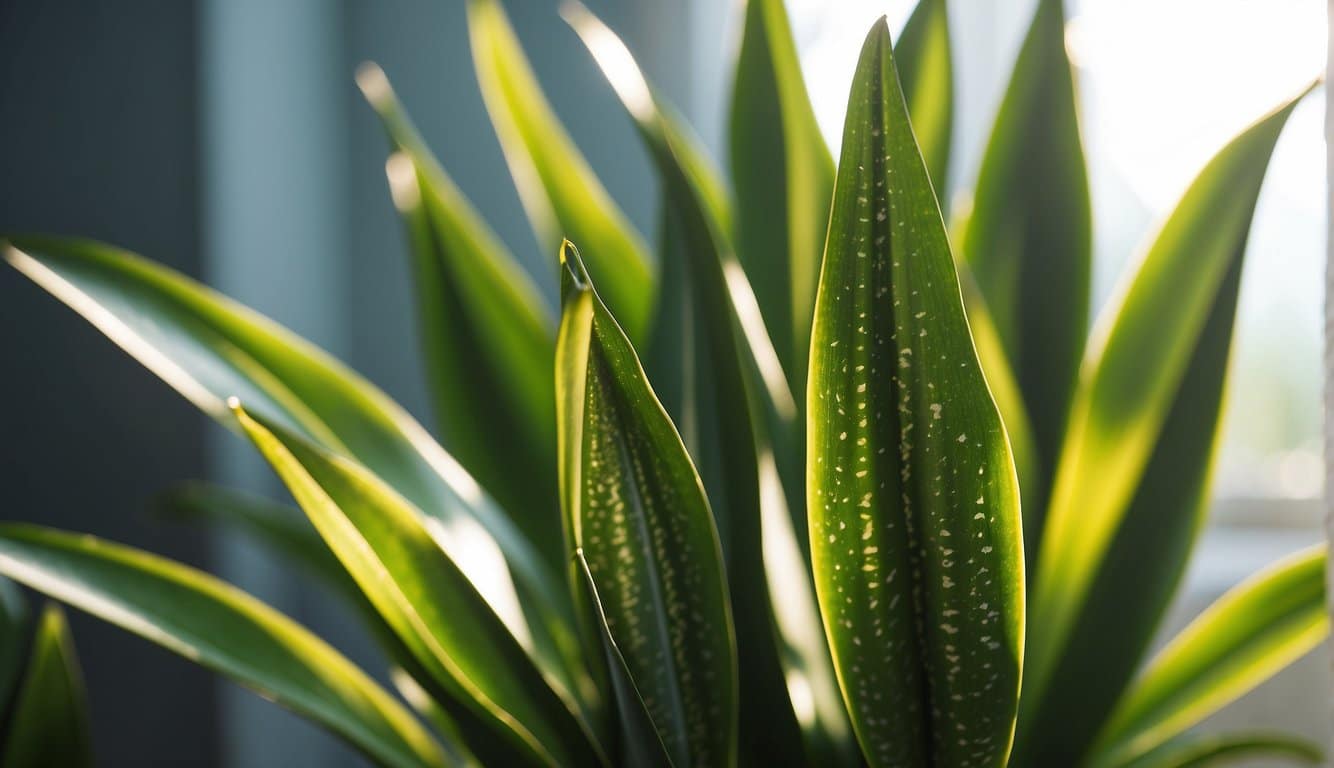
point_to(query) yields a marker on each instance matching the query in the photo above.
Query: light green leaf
(562, 195)
(1132, 487)
(436, 612)
(488, 335)
(635, 506)
(1028, 240)
(913, 500)
(48, 723)
(927, 74)
(221, 628)
(1196, 751)
(784, 179)
(209, 348)
(1251, 632)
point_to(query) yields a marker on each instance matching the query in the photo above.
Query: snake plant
(808, 479)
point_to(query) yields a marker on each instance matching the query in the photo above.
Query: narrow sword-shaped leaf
(488, 335)
(562, 195)
(635, 507)
(1251, 632)
(48, 725)
(1193, 751)
(1028, 240)
(219, 627)
(913, 500)
(784, 178)
(1131, 490)
(927, 73)
(427, 601)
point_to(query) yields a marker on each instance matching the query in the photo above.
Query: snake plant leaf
(726, 345)
(784, 178)
(219, 627)
(48, 724)
(1194, 751)
(1251, 632)
(488, 335)
(1132, 487)
(387, 547)
(927, 75)
(209, 348)
(562, 195)
(635, 507)
(913, 500)
(640, 739)
(1028, 239)
(15, 627)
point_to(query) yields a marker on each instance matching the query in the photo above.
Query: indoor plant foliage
(752, 495)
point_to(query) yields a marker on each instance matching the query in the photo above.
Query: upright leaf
(49, 722)
(219, 627)
(488, 335)
(927, 74)
(784, 177)
(15, 627)
(635, 507)
(913, 500)
(1251, 632)
(1028, 239)
(428, 602)
(562, 195)
(1132, 487)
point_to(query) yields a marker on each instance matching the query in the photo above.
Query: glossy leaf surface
(48, 724)
(215, 625)
(913, 500)
(926, 71)
(635, 507)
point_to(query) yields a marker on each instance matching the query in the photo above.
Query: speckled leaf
(723, 340)
(1132, 487)
(1197, 751)
(488, 336)
(562, 195)
(784, 177)
(635, 506)
(927, 74)
(913, 501)
(48, 724)
(219, 627)
(1028, 240)
(428, 602)
(1248, 634)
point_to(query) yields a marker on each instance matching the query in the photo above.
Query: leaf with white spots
(913, 500)
(633, 504)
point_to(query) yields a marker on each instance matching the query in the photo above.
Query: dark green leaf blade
(913, 500)
(1197, 751)
(487, 334)
(15, 627)
(1248, 634)
(429, 603)
(49, 722)
(1028, 239)
(221, 628)
(784, 177)
(927, 73)
(562, 195)
(635, 506)
(1132, 487)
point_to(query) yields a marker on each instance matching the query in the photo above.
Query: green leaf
(913, 500)
(434, 609)
(488, 335)
(221, 628)
(209, 348)
(635, 506)
(640, 739)
(784, 178)
(49, 722)
(927, 75)
(1251, 632)
(561, 193)
(722, 345)
(1132, 487)
(1028, 240)
(14, 629)
(1195, 751)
